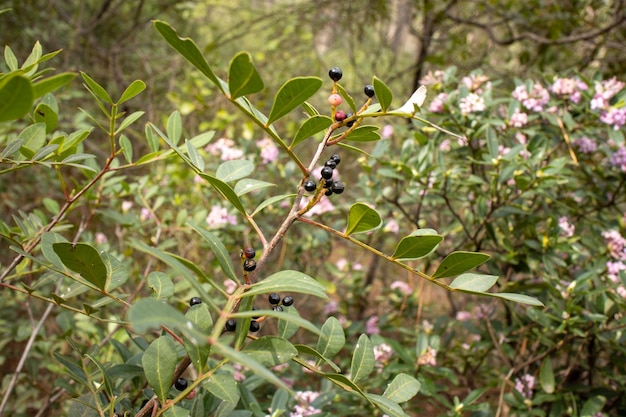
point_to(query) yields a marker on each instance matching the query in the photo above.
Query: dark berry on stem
(249, 253)
(194, 301)
(331, 163)
(337, 187)
(327, 173)
(274, 298)
(254, 326)
(249, 265)
(328, 184)
(255, 309)
(328, 192)
(287, 300)
(340, 115)
(310, 185)
(180, 384)
(351, 122)
(231, 325)
(335, 74)
(335, 157)
(277, 308)
(369, 90)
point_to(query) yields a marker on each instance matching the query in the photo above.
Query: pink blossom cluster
(269, 151)
(569, 88)
(225, 148)
(605, 91)
(618, 159)
(518, 119)
(586, 145)
(616, 244)
(525, 385)
(401, 286)
(382, 354)
(474, 82)
(567, 229)
(304, 407)
(614, 116)
(371, 325)
(472, 103)
(432, 78)
(438, 104)
(219, 216)
(534, 100)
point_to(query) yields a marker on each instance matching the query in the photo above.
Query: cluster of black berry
(249, 264)
(332, 187)
(275, 301)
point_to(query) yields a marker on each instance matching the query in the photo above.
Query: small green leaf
(225, 190)
(200, 316)
(288, 281)
(130, 119)
(96, 89)
(9, 56)
(310, 127)
(474, 282)
(416, 246)
(343, 93)
(194, 156)
(223, 386)
(387, 406)
(84, 260)
(402, 388)
(248, 185)
(161, 285)
(332, 339)
(108, 384)
(159, 363)
(362, 359)
(518, 298)
(292, 94)
(127, 148)
(458, 262)
(174, 127)
(294, 319)
(176, 411)
(383, 93)
(364, 134)
(234, 170)
(219, 250)
(270, 350)
(135, 88)
(362, 218)
(306, 350)
(270, 201)
(45, 114)
(16, 97)
(286, 327)
(50, 84)
(34, 137)
(243, 77)
(546, 376)
(593, 406)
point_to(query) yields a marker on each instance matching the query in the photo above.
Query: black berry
(337, 187)
(327, 173)
(331, 163)
(328, 192)
(231, 325)
(194, 301)
(277, 308)
(340, 115)
(249, 265)
(287, 301)
(180, 384)
(369, 90)
(335, 74)
(255, 309)
(274, 298)
(335, 157)
(254, 326)
(351, 122)
(310, 185)
(328, 184)
(249, 253)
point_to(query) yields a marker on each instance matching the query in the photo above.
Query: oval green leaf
(474, 282)
(402, 388)
(546, 376)
(48, 85)
(161, 285)
(332, 339)
(159, 363)
(286, 327)
(84, 260)
(416, 247)
(219, 250)
(270, 351)
(347, 97)
(310, 127)
(200, 316)
(362, 218)
(288, 281)
(16, 97)
(292, 94)
(234, 170)
(458, 262)
(243, 77)
(225, 190)
(383, 93)
(518, 298)
(364, 134)
(362, 359)
(223, 386)
(248, 185)
(45, 114)
(96, 89)
(135, 88)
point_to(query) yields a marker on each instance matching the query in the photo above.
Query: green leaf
(344, 383)
(189, 50)
(387, 406)
(108, 384)
(159, 363)
(16, 97)
(130, 119)
(474, 282)
(148, 313)
(219, 250)
(176, 411)
(288, 281)
(332, 339)
(287, 328)
(174, 127)
(270, 201)
(127, 148)
(402, 388)
(96, 89)
(310, 127)
(295, 319)
(459, 262)
(546, 376)
(9, 56)
(364, 134)
(243, 77)
(161, 285)
(248, 185)
(270, 351)
(34, 137)
(518, 298)
(50, 84)
(234, 170)
(84, 260)
(362, 218)
(135, 88)
(223, 386)
(225, 190)
(194, 156)
(306, 350)
(383, 93)
(343, 93)
(292, 94)
(45, 114)
(362, 359)
(200, 316)
(593, 406)
(416, 246)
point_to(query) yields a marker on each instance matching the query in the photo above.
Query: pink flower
(269, 151)
(605, 92)
(371, 325)
(386, 132)
(382, 354)
(535, 100)
(525, 385)
(392, 226)
(145, 214)
(225, 148)
(218, 216)
(616, 244)
(401, 286)
(472, 103)
(230, 286)
(568, 88)
(432, 78)
(101, 238)
(586, 145)
(618, 159)
(567, 229)
(304, 408)
(126, 205)
(428, 357)
(614, 116)
(463, 315)
(474, 81)
(439, 103)
(331, 307)
(518, 119)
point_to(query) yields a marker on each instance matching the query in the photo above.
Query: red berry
(335, 99)
(340, 115)
(249, 253)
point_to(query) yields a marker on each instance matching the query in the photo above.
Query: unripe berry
(249, 253)
(337, 187)
(249, 265)
(335, 74)
(254, 326)
(340, 115)
(327, 173)
(310, 186)
(335, 99)
(231, 325)
(287, 301)
(369, 90)
(274, 298)
(180, 384)
(194, 301)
